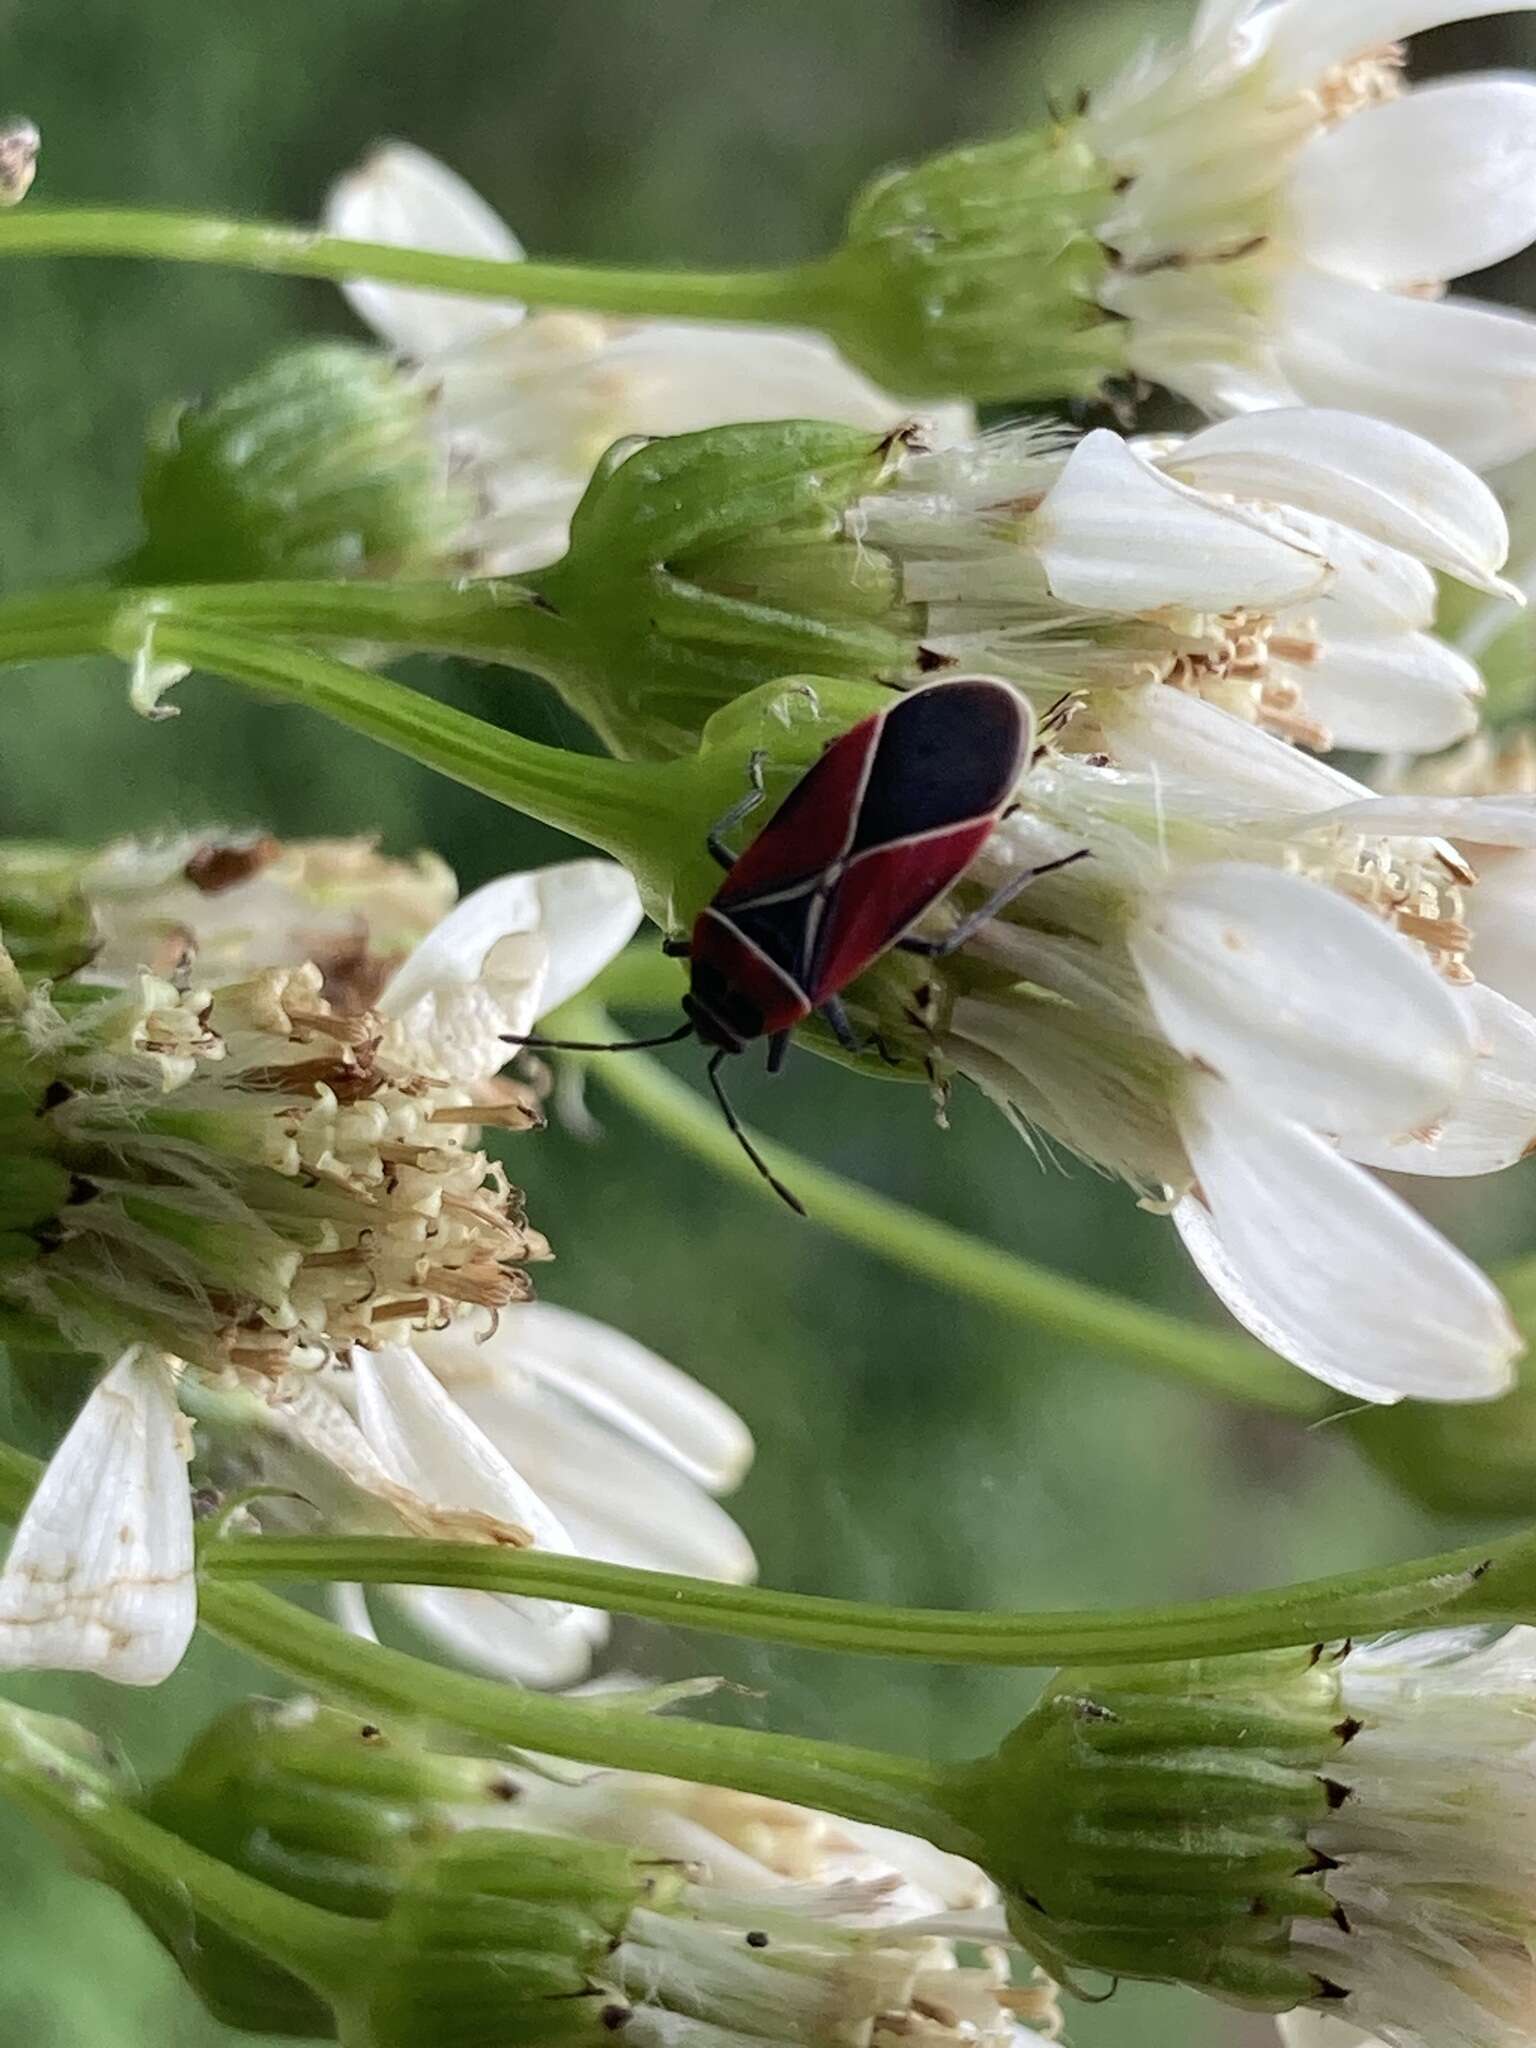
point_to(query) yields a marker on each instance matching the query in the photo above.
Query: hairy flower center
(1233, 664)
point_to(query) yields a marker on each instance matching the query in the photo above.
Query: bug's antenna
(538, 1044)
(746, 1144)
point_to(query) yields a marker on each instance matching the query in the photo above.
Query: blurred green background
(910, 1449)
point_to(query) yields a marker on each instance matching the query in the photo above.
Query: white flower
(553, 1424)
(526, 406)
(100, 1575)
(1286, 217)
(1281, 566)
(1431, 1838)
(1257, 986)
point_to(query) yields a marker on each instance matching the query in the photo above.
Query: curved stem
(916, 1243)
(1492, 1582)
(314, 1944)
(787, 296)
(859, 1784)
(630, 809)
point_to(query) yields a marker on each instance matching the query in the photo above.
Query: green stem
(784, 296)
(307, 1940)
(490, 619)
(629, 809)
(859, 1784)
(916, 1243)
(1493, 1582)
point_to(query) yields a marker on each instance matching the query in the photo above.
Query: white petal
(477, 975)
(1458, 372)
(1494, 1122)
(1502, 914)
(514, 949)
(405, 197)
(1329, 1268)
(100, 1573)
(1304, 2028)
(619, 1503)
(590, 910)
(681, 377)
(489, 1633)
(1309, 36)
(1161, 732)
(1392, 692)
(618, 1381)
(1115, 534)
(1478, 820)
(1431, 186)
(1378, 586)
(426, 1443)
(1302, 999)
(1363, 473)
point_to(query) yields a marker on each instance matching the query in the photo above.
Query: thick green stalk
(490, 619)
(316, 1945)
(1493, 1582)
(1015, 1287)
(790, 296)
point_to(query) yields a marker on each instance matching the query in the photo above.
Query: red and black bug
(870, 838)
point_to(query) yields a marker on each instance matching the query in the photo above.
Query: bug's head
(723, 1016)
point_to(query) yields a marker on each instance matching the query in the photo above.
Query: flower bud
(1154, 1822)
(704, 565)
(320, 1805)
(318, 464)
(978, 272)
(1342, 1827)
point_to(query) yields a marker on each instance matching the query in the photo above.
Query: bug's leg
(841, 1027)
(746, 1144)
(840, 1024)
(676, 949)
(739, 811)
(968, 927)
(778, 1045)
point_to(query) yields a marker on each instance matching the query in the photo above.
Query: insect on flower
(870, 838)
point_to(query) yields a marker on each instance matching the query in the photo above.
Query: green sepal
(977, 273)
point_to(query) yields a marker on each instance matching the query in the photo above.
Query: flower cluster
(1285, 216)
(264, 1198)
(1265, 982)
(481, 1895)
